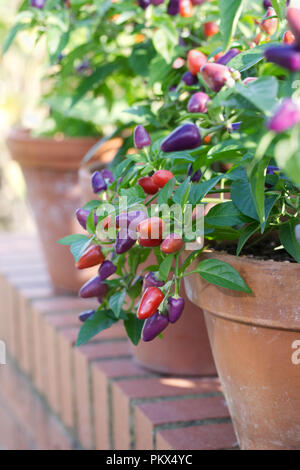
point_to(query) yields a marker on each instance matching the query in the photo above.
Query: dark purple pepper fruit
(130, 219)
(173, 7)
(153, 326)
(144, 4)
(198, 103)
(271, 169)
(82, 216)
(106, 269)
(287, 116)
(93, 288)
(175, 308)
(157, 2)
(236, 126)
(267, 4)
(141, 137)
(38, 3)
(98, 182)
(286, 56)
(195, 176)
(151, 281)
(189, 79)
(84, 316)
(125, 241)
(228, 56)
(184, 137)
(108, 175)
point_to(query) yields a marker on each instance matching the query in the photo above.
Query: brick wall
(53, 396)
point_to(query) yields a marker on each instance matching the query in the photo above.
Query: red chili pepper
(172, 244)
(289, 38)
(195, 61)
(148, 185)
(161, 177)
(186, 8)
(151, 300)
(151, 229)
(92, 257)
(210, 29)
(270, 25)
(148, 243)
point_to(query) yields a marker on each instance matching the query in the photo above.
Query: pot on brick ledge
(254, 339)
(50, 168)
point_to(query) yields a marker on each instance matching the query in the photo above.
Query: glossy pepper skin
(270, 25)
(153, 326)
(184, 137)
(195, 176)
(228, 56)
(84, 316)
(287, 116)
(157, 2)
(175, 308)
(141, 137)
(151, 281)
(189, 79)
(173, 7)
(161, 177)
(173, 243)
(82, 216)
(130, 219)
(186, 8)
(151, 228)
(93, 288)
(106, 270)
(148, 185)
(144, 3)
(288, 38)
(198, 103)
(293, 17)
(125, 241)
(284, 55)
(151, 300)
(92, 257)
(210, 29)
(195, 61)
(98, 182)
(216, 76)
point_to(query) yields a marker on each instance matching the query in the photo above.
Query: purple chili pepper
(235, 126)
(189, 79)
(84, 316)
(38, 3)
(153, 326)
(286, 56)
(287, 116)
(93, 288)
(141, 137)
(184, 137)
(98, 182)
(175, 308)
(82, 216)
(267, 4)
(198, 103)
(195, 176)
(108, 175)
(106, 270)
(271, 169)
(125, 241)
(173, 7)
(228, 56)
(151, 281)
(157, 2)
(144, 4)
(130, 219)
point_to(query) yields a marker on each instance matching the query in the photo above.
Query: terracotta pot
(50, 167)
(254, 339)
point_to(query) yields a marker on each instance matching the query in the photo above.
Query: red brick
(125, 392)
(102, 375)
(83, 357)
(152, 415)
(211, 437)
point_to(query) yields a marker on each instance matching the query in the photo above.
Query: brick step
(96, 394)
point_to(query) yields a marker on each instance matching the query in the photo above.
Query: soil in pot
(256, 345)
(50, 167)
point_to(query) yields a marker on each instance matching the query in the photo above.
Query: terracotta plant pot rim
(272, 283)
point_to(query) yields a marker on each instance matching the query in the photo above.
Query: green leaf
(288, 238)
(165, 267)
(246, 60)
(225, 214)
(222, 274)
(140, 59)
(280, 8)
(100, 321)
(262, 93)
(166, 192)
(78, 248)
(181, 194)
(72, 239)
(230, 12)
(199, 191)
(12, 35)
(116, 302)
(135, 195)
(90, 223)
(257, 182)
(287, 157)
(242, 197)
(134, 328)
(247, 232)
